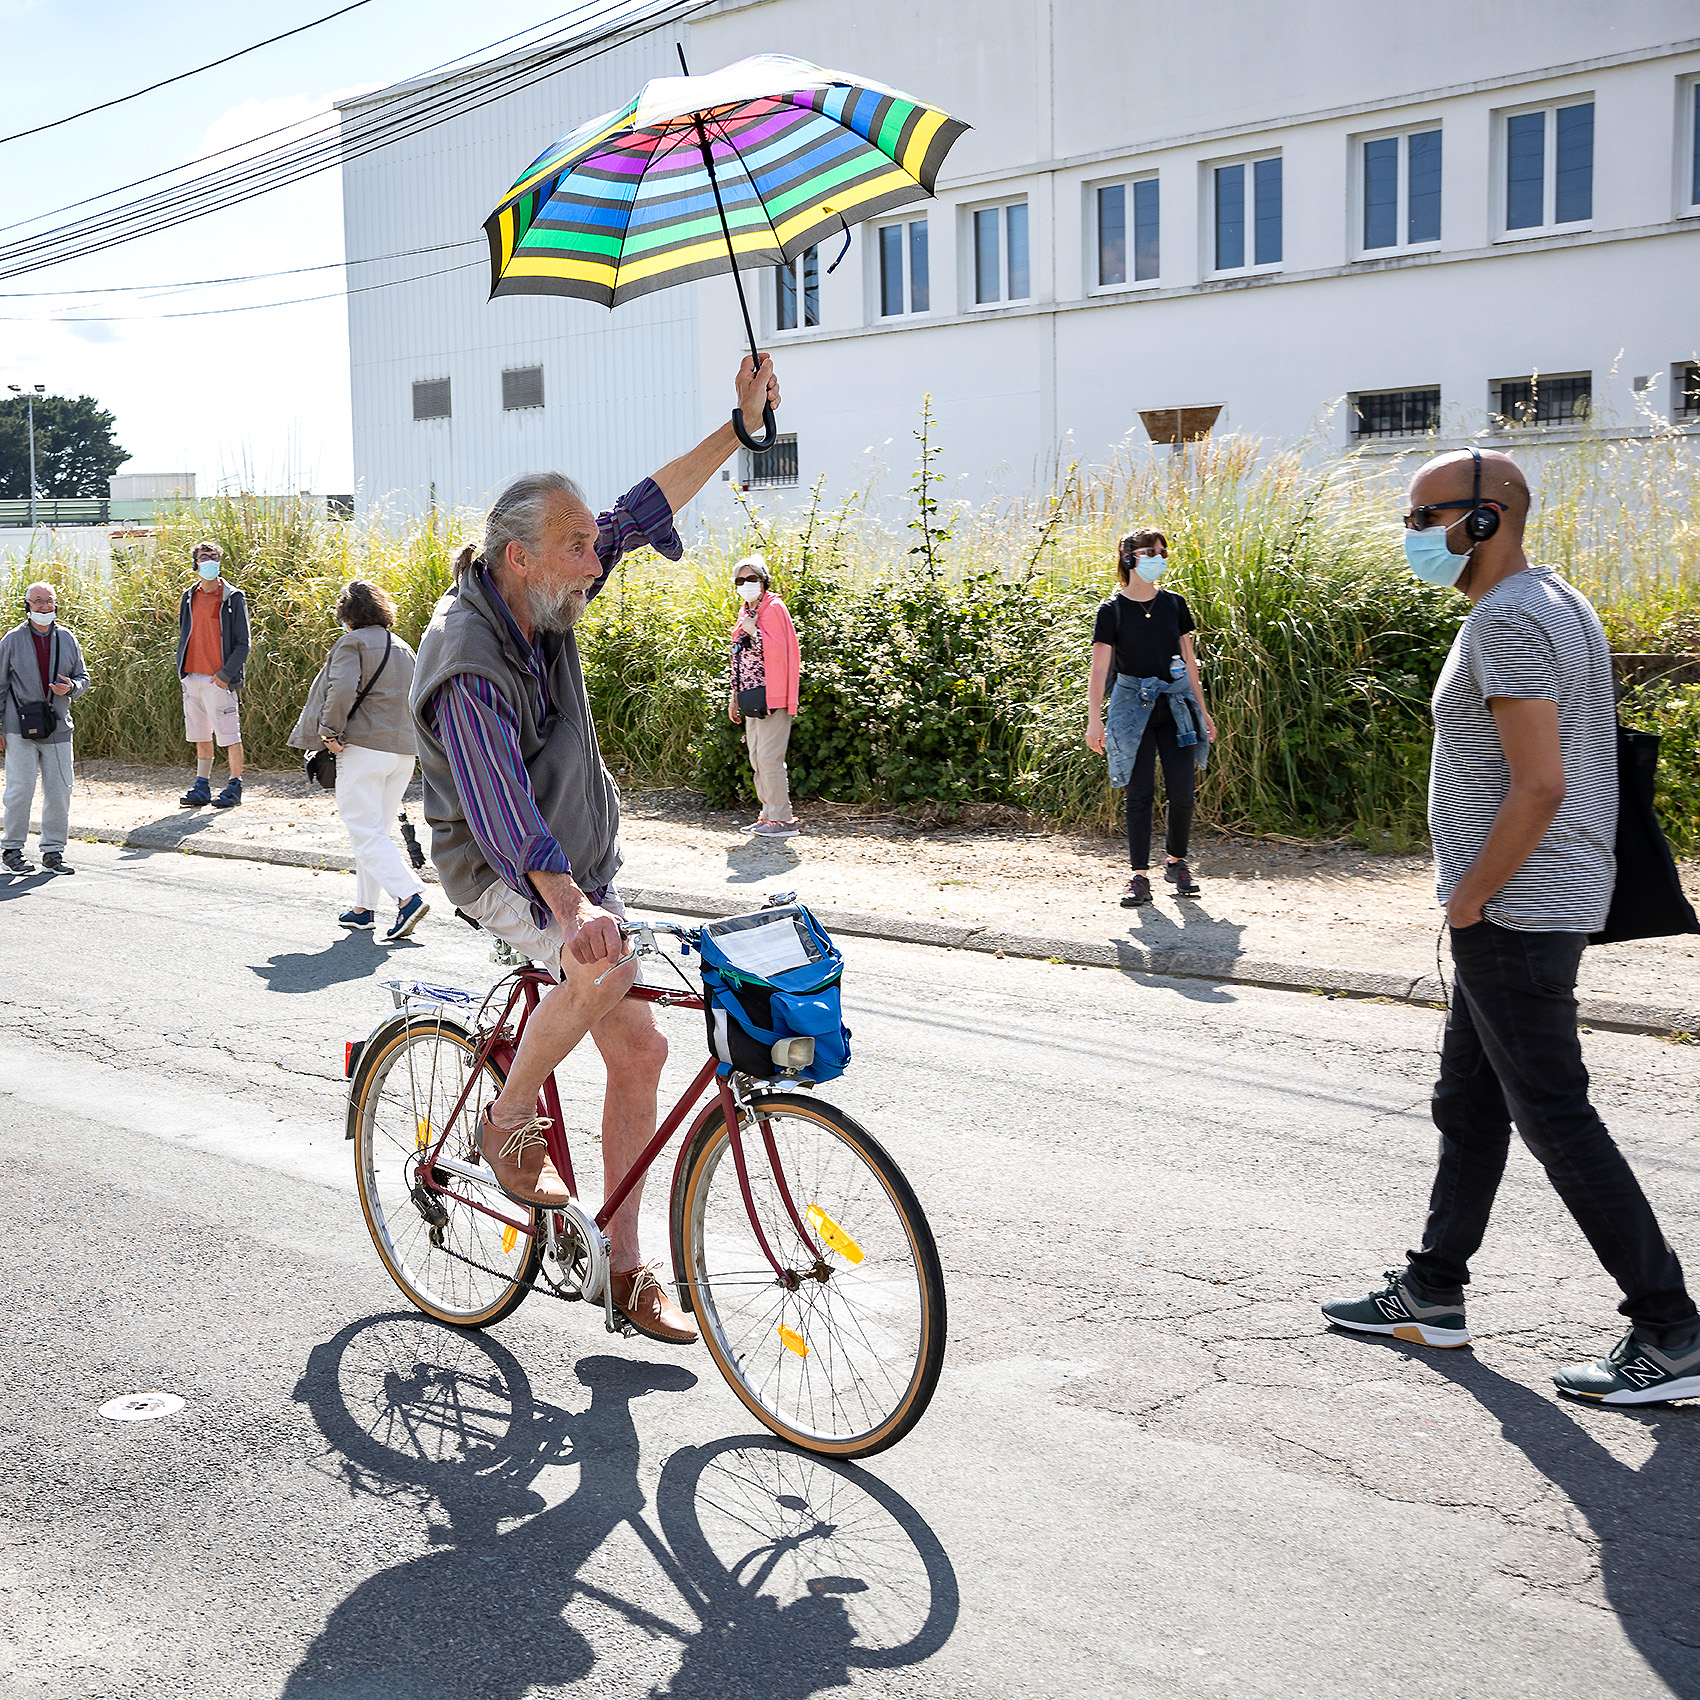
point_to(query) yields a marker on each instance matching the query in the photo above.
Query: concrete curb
(1318, 978)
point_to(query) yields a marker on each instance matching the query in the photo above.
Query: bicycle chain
(548, 1290)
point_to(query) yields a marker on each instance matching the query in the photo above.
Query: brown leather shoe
(521, 1163)
(649, 1308)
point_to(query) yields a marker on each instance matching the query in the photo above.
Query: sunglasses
(738, 581)
(1420, 519)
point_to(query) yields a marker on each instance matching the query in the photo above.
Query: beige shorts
(209, 711)
(502, 911)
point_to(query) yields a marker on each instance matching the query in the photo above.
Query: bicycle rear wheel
(452, 1261)
(841, 1355)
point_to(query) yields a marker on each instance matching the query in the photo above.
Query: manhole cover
(140, 1407)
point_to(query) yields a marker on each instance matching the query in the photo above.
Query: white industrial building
(1314, 219)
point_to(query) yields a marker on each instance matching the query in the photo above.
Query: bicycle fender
(371, 1047)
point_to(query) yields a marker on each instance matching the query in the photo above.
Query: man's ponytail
(464, 557)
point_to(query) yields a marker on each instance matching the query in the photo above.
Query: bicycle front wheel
(840, 1354)
(453, 1262)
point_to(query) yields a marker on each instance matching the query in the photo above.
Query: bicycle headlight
(794, 1054)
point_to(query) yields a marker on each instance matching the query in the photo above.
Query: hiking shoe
(198, 795)
(775, 829)
(1137, 892)
(55, 863)
(230, 796)
(357, 920)
(1634, 1373)
(407, 917)
(1396, 1310)
(13, 862)
(1179, 875)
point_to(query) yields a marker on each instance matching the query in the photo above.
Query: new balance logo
(1640, 1372)
(1391, 1308)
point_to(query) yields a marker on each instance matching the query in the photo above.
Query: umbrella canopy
(761, 159)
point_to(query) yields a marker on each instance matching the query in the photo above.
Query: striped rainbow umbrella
(747, 166)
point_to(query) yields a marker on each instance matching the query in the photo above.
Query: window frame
(971, 214)
(1359, 178)
(1129, 185)
(1356, 398)
(1688, 148)
(1549, 108)
(800, 289)
(1209, 224)
(1501, 422)
(876, 250)
(749, 481)
(1682, 387)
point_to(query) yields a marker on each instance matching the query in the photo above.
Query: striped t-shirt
(1532, 635)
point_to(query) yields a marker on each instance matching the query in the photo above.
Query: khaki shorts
(502, 911)
(209, 711)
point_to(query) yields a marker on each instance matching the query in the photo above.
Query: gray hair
(757, 563)
(517, 515)
(40, 584)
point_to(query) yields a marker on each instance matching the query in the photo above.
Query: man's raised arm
(679, 480)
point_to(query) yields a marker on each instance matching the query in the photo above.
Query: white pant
(767, 740)
(369, 788)
(24, 757)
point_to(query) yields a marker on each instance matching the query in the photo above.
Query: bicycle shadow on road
(349, 956)
(754, 1581)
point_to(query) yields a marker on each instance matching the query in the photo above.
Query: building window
(766, 468)
(1549, 167)
(431, 399)
(1685, 390)
(905, 285)
(799, 281)
(1540, 400)
(1128, 248)
(1694, 146)
(1401, 190)
(1001, 271)
(1248, 213)
(522, 386)
(1396, 413)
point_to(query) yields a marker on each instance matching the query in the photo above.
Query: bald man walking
(1523, 814)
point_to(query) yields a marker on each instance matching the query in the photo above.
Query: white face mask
(207, 569)
(751, 592)
(40, 621)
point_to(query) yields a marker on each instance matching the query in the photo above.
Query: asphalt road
(1148, 1471)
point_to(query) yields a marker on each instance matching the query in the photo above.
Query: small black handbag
(320, 765)
(752, 704)
(38, 721)
(1648, 901)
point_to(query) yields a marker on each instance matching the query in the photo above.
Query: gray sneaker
(1396, 1310)
(775, 829)
(1634, 1373)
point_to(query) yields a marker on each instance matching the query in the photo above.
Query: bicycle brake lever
(630, 956)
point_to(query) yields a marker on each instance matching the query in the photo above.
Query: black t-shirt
(1145, 636)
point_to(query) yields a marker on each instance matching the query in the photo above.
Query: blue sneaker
(1396, 1310)
(230, 796)
(407, 917)
(1634, 1373)
(357, 920)
(198, 795)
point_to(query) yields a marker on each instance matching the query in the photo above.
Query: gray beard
(557, 610)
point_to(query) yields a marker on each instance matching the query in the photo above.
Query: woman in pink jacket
(765, 667)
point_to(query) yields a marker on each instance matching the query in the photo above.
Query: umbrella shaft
(726, 231)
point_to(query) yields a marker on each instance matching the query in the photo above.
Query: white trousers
(767, 740)
(369, 787)
(24, 759)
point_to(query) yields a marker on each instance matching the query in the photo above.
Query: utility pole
(29, 414)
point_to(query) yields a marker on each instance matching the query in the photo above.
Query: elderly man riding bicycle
(525, 819)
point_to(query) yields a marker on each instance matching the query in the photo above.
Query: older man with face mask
(525, 818)
(41, 674)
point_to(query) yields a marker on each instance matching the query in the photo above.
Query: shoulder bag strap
(389, 640)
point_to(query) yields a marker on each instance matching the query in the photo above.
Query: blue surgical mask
(1150, 567)
(1429, 558)
(207, 569)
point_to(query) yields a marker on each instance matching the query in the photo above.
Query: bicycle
(809, 1265)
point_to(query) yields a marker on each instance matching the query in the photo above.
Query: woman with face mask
(766, 665)
(1142, 641)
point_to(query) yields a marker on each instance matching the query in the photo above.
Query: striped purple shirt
(480, 728)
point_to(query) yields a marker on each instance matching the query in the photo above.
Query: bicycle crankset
(578, 1250)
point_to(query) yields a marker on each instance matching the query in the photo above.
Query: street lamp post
(29, 414)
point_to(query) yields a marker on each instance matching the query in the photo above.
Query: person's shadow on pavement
(1646, 1517)
(350, 956)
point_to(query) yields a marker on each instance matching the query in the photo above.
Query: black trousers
(1512, 1053)
(1180, 788)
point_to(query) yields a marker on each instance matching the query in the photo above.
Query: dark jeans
(1512, 1053)
(1180, 786)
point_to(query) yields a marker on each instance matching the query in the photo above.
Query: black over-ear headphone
(1481, 522)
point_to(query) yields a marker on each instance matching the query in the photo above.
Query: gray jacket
(20, 676)
(384, 721)
(233, 630)
(575, 793)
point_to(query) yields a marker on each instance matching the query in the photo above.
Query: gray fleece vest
(575, 793)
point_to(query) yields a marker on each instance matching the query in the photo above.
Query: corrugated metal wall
(620, 388)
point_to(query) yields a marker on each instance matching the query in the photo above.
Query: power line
(211, 64)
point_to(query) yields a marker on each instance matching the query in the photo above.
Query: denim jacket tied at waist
(1130, 710)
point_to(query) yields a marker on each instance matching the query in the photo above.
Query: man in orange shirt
(212, 651)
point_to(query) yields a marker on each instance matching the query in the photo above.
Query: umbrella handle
(769, 424)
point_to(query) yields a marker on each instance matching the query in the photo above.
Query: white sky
(256, 399)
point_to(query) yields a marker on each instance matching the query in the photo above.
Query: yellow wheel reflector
(792, 1341)
(509, 1235)
(834, 1235)
(422, 1136)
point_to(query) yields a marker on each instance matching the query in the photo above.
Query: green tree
(75, 452)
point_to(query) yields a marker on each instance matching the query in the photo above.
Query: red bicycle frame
(500, 1045)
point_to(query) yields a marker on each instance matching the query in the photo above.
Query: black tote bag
(1648, 901)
